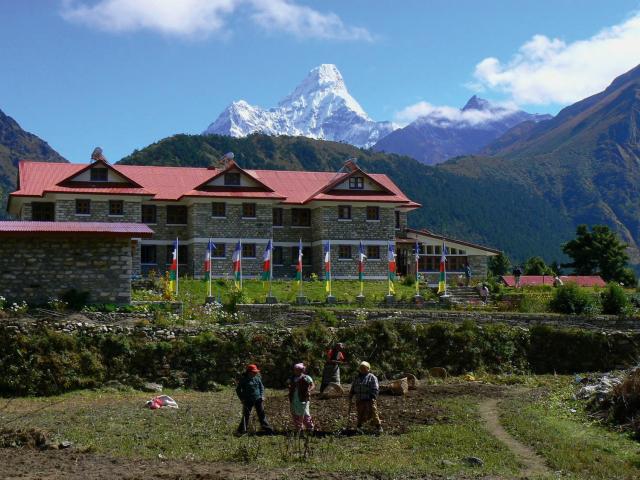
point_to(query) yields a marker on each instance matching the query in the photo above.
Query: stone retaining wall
(284, 313)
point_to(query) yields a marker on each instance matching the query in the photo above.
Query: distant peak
(325, 74)
(477, 103)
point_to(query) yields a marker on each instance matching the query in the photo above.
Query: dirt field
(23, 456)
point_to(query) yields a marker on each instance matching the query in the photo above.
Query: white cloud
(197, 18)
(546, 70)
(303, 21)
(445, 116)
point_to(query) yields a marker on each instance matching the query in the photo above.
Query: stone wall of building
(65, 211)
(37, 268)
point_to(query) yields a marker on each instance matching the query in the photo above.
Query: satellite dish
(228, 156)
(97, 155)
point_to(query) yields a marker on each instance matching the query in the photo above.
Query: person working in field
(365, 389)
(250, 391)
(331, 371)
(300, 388)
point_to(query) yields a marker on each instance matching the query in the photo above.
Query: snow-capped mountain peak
(319, 107)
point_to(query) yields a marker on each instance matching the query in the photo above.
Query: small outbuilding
(44, 260)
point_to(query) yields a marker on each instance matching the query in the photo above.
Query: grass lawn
(559, 429)
(194, 292)
(536, 412)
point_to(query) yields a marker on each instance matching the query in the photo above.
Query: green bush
(572, 299)
(75, 299)
(45, 362)
(614, 300)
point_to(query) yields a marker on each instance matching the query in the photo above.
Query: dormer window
(232, 179)
(356, 183)
(99, 175)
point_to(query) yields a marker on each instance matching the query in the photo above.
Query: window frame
(299, 213)
(280, 214)
(216, 251)
(356, 183)
(344, 247)
(215, 214)
(255, 210)
(397, 220)
(250, 246)
(101, 170)
(340, 209)
(155, 214)
(373, 208)
(80, 210)
(43, 207)
(175, 207)
(370, 254)
(278, 262)
(154, 248)
(112, 203)
(227, 179)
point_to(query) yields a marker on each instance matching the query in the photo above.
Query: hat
(299, 366)
(365, 364)
(253, 368)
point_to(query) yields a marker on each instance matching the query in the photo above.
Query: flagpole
(210, 264)
(330, 268)
(177, 265)
(388, 271)
(300, 263)
(417, 268)
(271, 265)
(240, 260)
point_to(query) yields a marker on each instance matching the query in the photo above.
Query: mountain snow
(320, 107)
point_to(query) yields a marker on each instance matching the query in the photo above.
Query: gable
(98, 173)
(226, 178)
(356, 180)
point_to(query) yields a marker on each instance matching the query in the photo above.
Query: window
(373, 213)
(344, 252)
(183, 255)
(437, 249)
(219, 251)
(248, 210)
(116, 208)
(232, 179)
(397, 220)
(99, 175)
(373, 252)
(248, 250)
(149, 214)
(278, 253)
(453, 251)
(148, 255)
(277, 217)
(356, 183)
(300, 217)
(219, 209)
(344, 212)
(429, 249)
(83, 207)
(306, 256)
(43, 211)
(176, 215)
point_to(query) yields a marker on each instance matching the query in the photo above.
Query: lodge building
(228, 203)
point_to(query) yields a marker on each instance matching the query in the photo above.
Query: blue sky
(82, 73)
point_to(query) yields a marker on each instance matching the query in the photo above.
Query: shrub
(614, 300)
(572, 299)
(75, 299)
(408, 280)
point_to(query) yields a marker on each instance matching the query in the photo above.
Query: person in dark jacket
(517, 273)
(467, 274)
(365, 389)
(250, 391)
(331, 370)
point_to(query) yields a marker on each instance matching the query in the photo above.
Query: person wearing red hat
(250, 391)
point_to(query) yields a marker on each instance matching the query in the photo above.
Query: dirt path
(533, 464)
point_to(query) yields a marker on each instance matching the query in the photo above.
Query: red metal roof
(531, 280)
(173, 183)
(8, 228)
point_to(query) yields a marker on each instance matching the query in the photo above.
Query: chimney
(350, 165)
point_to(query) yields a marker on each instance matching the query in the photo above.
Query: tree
(499, 264)
(598, 251)
(536, 266)
(556, 268)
